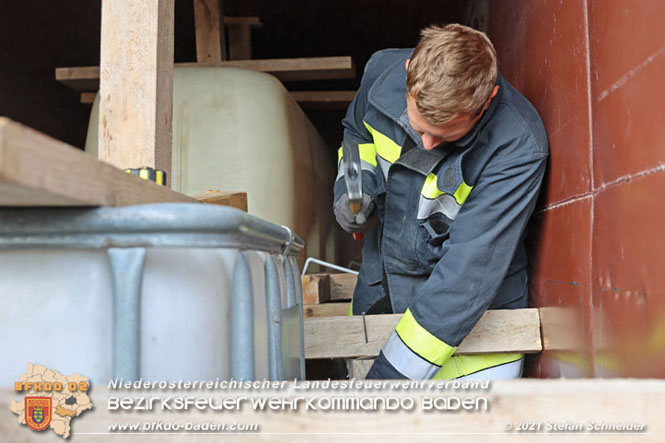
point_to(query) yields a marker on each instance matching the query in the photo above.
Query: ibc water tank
(165, 291)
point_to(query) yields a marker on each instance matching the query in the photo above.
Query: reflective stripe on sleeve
(367, 159)
(408, 363)
(461, 365)
(363, 165)
(385, 147)
(367, 154)
(421, 341)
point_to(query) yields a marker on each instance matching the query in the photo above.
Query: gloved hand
(349, 221)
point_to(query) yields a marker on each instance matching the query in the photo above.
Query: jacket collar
(388, 93)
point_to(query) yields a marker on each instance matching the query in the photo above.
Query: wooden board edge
(73, 176)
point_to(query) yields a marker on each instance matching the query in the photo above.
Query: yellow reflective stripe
(461, 365)
(462, 193)
(367, 153)
(421, 341)
(351, 308)
(143, 173)
(385, 147)
(430, 190)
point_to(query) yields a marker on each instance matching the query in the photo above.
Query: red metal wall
(594, 70)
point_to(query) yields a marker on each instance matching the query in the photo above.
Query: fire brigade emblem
(38, 412)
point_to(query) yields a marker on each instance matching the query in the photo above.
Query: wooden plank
(294, 69)
(359, 367)
(254, 22)
(321, 288)
(86, 78)
(315, 288)
(316, 100)
(136, 84)
(210, 46)
(324, 100)
(37, 170)
(562, 329)
(507, 330)
(326, 310)
(236, 200)
(342, 286)
(80, 78)
(88, 98)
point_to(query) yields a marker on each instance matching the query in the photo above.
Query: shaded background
(592, 68)
(36, 36)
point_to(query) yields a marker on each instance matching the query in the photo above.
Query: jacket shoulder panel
(384, 59)
(524, 121)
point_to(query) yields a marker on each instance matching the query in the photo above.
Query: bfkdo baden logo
(38, 412)
(51, 400)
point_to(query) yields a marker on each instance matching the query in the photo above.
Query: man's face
(435, 135)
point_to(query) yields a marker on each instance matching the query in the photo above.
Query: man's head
(450, 81)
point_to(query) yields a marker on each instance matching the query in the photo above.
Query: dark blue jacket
(449, 242)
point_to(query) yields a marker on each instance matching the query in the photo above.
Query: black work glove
(349, 221)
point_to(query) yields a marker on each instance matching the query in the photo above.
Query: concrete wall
(594, 70)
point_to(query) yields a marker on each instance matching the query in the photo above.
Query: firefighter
(452, 162)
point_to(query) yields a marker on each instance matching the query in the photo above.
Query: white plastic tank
(57, 303)
(240, 130)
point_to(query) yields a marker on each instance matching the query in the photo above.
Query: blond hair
(451, 73)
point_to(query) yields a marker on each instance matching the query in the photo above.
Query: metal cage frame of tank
(126, 233)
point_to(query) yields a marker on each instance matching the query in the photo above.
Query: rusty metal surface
(627, 58)
(594, 71)
(539, 50)
(627, 47)
(560, 279)
(537, 45)
(628, 279)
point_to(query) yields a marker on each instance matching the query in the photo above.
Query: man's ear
(406, 64)
(492, 95)
(494, 91)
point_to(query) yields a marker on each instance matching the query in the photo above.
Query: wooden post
(209, 27)
(136, 83)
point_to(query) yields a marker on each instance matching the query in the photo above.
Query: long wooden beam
(326, 310)
(324, 100)
(86, 78)
(509, 330)
(209, 30)
(321, 288)
(136, 84)
(236, 200)
(37, 170)
(254, 22)
(316, 100)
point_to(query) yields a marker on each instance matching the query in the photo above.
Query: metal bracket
(287, 246)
